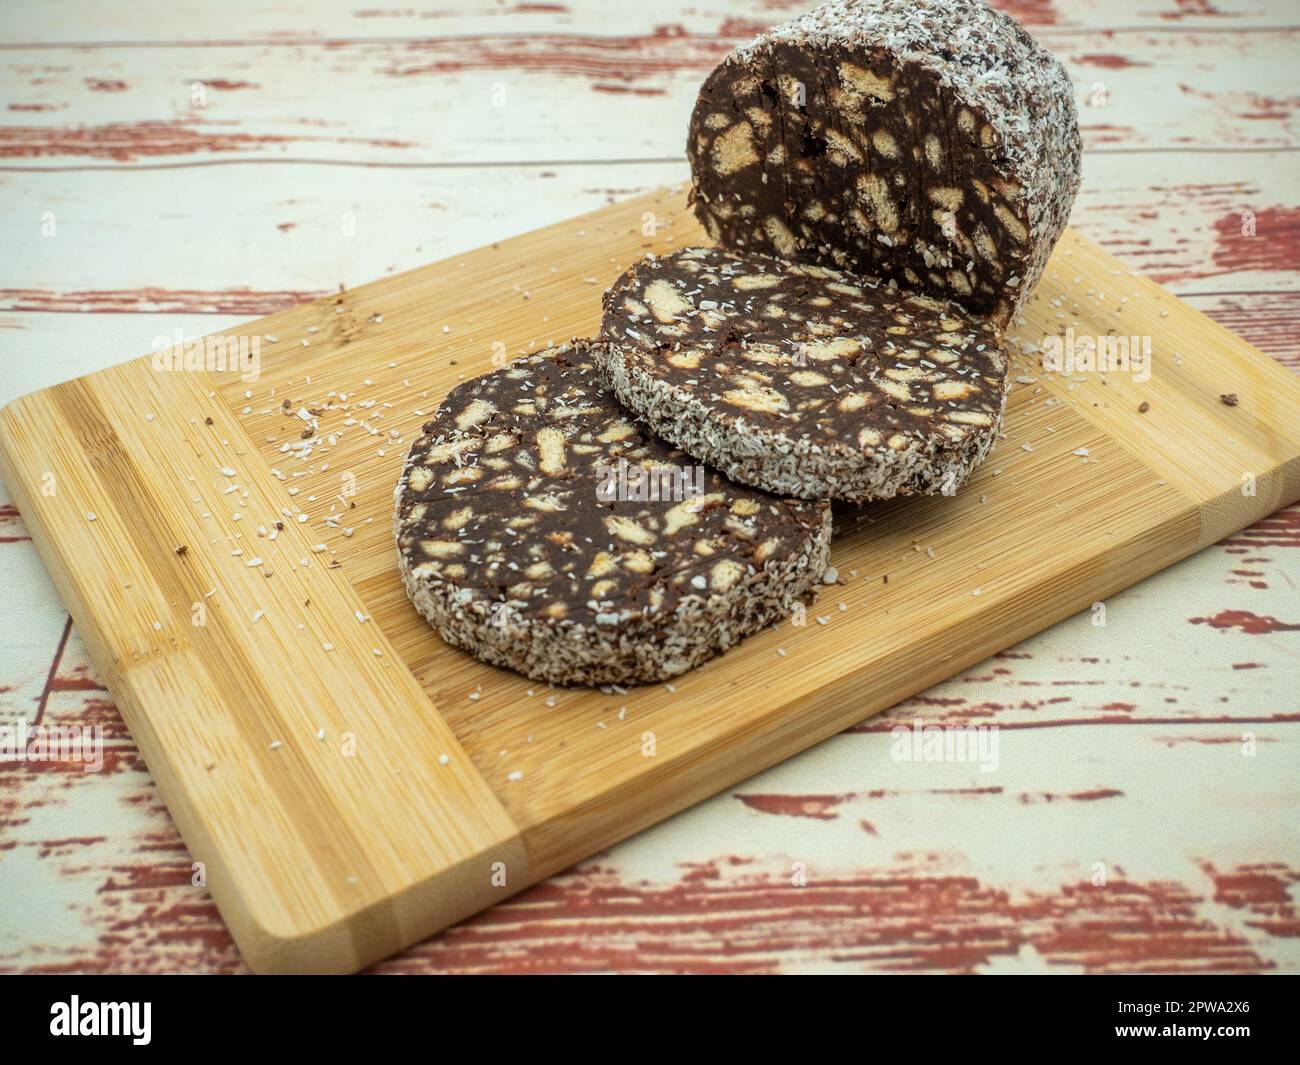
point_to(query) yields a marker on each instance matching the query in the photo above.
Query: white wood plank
(562, 97)
(144, 241)
(63, 21)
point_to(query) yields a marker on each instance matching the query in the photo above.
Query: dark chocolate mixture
(805, 351)
(515, 491)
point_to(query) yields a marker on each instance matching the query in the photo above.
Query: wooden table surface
(189, 166)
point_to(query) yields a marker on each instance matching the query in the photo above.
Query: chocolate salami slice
(803, 380)
(542, 528)
(929, 141)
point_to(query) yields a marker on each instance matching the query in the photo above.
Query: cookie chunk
(933, 142)
(802, 380)
(542, 528)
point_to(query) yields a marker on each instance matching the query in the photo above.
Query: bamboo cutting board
(350, 783)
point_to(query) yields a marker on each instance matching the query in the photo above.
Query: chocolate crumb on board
(802, 380)
(934, 142)
(1143, 407)
(1229, 399)
(515, 543)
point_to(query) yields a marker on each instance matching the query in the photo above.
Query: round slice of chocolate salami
(542, 528)
(930, 141)
(802, 380)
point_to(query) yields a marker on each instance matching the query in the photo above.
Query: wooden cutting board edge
(371, 894)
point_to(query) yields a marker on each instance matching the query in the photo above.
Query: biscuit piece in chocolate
(542, 528)
(929, 141)
(802, 380)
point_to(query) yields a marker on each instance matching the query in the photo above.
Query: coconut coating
(933, 142)
(802, 380)
(543, 529)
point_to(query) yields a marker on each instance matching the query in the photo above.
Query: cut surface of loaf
(933, 142)
(803, 380)
(543, 529)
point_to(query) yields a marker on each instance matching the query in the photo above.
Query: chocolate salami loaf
(543, 529)
(933, 142)
(803, 380)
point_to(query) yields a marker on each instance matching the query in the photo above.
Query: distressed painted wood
(469, 88)
(1124, 744)
(296, 22)
(330, 232)
(172, 483)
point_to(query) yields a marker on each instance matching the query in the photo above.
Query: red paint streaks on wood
(937, 700)
(105, 85)
(114, 759)
(80, 681)
(124, 141)
(1208, 741)
(742, 29)
(1102, 720)
(1101, 133)
(1248, 665)
(1275, 244)
(1277, 530)
(627, 90)
(1251, 624)
(1193, 9)
(1094, 795)
(1109, 62)
(744, 921)
(517, 9)
(817, 807)
(12, 529)
(229, 86)
(163, 922)
(127, 141)
(663, 53)
(135, 877)
(1141, 928)
(52, 848)
(1029, 798)
(1264, 891)
(1029, 12)
(93, 710)
(1125, 228)
(32, 107)
(151, 300)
